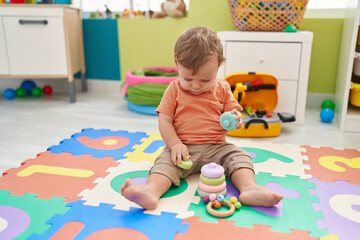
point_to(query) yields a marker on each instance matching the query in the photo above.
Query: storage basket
(272, 15)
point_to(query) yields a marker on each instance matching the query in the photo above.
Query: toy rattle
(187, 164)
(220, 214)
(228, 121)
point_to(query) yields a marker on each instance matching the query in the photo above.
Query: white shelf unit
(348, 115)
(42, 41)
(286, 56)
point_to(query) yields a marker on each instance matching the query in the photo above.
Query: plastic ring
(203, 193)
(212, 170)
(212, 181)
(221, 214)
(212, 188)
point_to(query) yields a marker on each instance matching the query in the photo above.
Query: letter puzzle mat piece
(297, 212)
(149, 149)
(175, 200)
(23, 216)
(329, 164)
(340, 204)
(277, 159)
(56, 175)
(100, 143)
(227, 230)
(103, 217)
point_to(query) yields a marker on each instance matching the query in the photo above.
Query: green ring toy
(212, 181)
(187, 164)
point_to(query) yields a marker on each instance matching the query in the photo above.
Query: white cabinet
(41, 41)
(286, 56)
(348, 115)
(4, 66)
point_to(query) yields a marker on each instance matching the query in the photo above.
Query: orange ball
(217, 204)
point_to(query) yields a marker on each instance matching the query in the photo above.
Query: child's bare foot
(139, 194)
(257, 195)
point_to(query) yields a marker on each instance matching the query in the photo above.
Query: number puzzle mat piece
(297, 212)
(99, 143)
(340, 204)
(83, 221)
(225, 229)
(150, 148)
(329, 164)
(56, 175)
(277, 159)
(26, 215)
(107, 190)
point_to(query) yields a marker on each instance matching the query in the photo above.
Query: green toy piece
(37, 92)
(328, 104)
(290, 28)
(20, 92)
(187, 164)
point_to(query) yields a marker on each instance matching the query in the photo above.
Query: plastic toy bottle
(228, 121)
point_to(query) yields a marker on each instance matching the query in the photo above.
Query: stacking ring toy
(212, 170)
(203, 193)
(221, 214)
(212, 181)
(187, 164)
(212, 188)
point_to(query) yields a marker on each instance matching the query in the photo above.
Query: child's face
(203, 80)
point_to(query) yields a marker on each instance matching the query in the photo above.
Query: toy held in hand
(187, 164)
(228, 121)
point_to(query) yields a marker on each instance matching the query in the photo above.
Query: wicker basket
(271, 15)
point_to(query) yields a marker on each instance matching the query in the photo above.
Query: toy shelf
(348, 115)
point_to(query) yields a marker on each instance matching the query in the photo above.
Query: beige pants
(227, 155)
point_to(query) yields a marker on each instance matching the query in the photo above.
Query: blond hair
(197, 45)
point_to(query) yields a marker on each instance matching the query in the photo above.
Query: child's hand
(238, 117)
(179, 152)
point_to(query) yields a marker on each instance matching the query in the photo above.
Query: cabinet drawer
(287, 96)
(36, 45)
(279, 59)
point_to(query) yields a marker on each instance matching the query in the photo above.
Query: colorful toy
(37, 92)
(212, 181)
(228, 121)
(327, 111)
(20, 92)
(220, 198)
(212, 170)
(187, 164)
(261, 96)
(28, 85)
(144, 88)
(328, 104)
(233, 200)
(218, 213)
(9, 93)
(327, 115)
(47, 90)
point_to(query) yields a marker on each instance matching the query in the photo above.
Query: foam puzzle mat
(72, 191)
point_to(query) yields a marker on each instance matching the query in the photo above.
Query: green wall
(150, 42)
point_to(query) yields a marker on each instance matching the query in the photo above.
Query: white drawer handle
(21, 22)
(261, 60)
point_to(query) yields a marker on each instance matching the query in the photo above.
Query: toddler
(189, 114)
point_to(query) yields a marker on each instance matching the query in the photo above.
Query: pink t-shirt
(196, 118)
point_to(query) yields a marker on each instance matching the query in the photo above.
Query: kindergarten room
(261, 139)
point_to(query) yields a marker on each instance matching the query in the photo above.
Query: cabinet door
(4, 66)
(36, 45)
(279, 59)
(287, 95)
